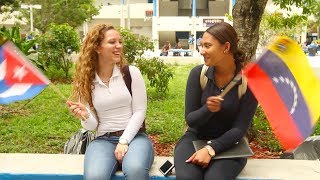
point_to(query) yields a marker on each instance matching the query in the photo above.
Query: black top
(225, 127)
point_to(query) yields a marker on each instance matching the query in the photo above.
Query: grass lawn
(44, 124)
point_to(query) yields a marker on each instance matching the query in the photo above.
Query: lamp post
(128, 14)
(30, 7)
(122, 14)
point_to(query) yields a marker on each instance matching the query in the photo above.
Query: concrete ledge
(63, 166)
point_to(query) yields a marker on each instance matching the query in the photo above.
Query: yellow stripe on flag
(292, 55)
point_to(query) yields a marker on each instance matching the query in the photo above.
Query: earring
(224, 51)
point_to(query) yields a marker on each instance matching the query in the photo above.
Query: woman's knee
(98, 174)
(136, 171)
(189, 176)
(140, 150)
(99, 161)
(135, 168)
(227, 169)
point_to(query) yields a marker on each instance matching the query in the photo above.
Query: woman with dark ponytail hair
(222, 121)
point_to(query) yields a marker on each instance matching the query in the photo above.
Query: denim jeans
(101, 164)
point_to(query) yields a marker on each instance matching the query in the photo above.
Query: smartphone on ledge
(166, 168)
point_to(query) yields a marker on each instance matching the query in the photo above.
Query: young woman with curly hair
(105, 104)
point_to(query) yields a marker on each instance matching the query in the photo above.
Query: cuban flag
(287, 89)
(19, 78)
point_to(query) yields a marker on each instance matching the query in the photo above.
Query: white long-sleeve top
(115, 108)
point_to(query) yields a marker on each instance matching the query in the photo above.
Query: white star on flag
(19, 72)
(19, 78)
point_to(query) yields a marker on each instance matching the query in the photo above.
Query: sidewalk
(315, 64)
(198, 59)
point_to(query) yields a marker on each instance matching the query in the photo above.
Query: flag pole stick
(57, 90)
(54, 87)
(21, 107)
(29, 101)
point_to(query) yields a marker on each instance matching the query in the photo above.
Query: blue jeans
(101, 164)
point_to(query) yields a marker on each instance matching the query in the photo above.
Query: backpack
(242, 88)
(79, 142)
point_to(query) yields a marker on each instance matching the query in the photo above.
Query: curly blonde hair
(87, 64)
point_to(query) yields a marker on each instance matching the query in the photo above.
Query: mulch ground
(166, 149)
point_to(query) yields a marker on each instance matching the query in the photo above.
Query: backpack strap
(242, 88)
(128, 80)
(127, 77)
(203, 77)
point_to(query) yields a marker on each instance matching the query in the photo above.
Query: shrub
(13, 34)
(157, 72)
(134, 45)
(55, 47)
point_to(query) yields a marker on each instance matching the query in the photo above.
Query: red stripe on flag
(277, 113)
(18, 70)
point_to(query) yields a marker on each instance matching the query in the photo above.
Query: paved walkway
(313, 60)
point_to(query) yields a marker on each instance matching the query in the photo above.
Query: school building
(163, 20)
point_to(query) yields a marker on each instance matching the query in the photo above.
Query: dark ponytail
(240, 57)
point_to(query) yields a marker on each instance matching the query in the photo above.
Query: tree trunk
(247, 15)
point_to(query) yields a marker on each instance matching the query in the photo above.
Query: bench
(70, 167)
(181, 52)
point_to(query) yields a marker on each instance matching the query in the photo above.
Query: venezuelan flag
(287, 89)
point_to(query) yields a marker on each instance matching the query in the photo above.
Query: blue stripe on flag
(1, 54)
(30, 93)
(3, 86)
(288, 90)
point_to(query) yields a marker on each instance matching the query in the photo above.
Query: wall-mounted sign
(211, 21)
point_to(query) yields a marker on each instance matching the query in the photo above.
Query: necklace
(106, 82)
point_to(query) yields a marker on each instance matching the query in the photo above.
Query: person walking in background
(199, 40)
(223, 121)
(165, 49)
(312, 49)
(114, 111)
(191, 41)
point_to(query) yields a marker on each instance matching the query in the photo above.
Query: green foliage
(13, 34)
(317, 13)
(7, 2)
(8, 5)
(73, 12)
(308, 6)
(277, 21)
(263, 132)
(165, 117)
(314, 22)
(273, 24)
(134, 46)
(229, 16)
(55, 47)
(157, 72)
(43, 125)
